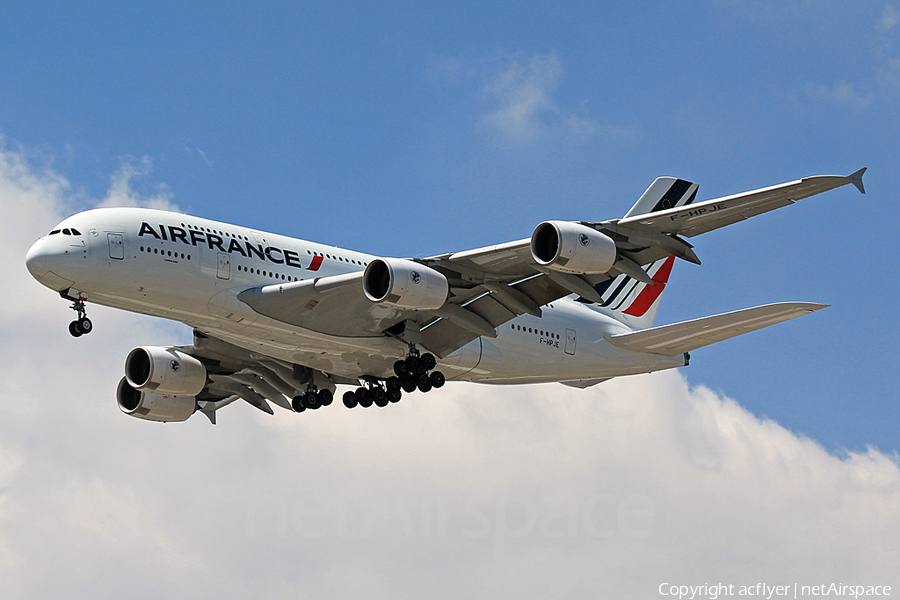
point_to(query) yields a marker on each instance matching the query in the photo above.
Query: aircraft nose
(36, 260)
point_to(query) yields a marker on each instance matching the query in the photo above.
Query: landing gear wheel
(364, 397)
(85, 325)
(421, 379)
(437, 379)
(392, 383)
(379, 397)
(408, 383)
(311, 400)
(350, 400)
(297, 404)
(425, 386)
(413, 365)
(427, 361)
(325, 397)
(394, 395)
(75, 330)
(400, 368)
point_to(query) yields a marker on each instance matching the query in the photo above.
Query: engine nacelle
(164, 371)
(405, 284)
(572, 248)
(154, 407)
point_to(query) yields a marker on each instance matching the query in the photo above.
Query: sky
(415, 130)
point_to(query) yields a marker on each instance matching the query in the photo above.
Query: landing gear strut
(82, 325)
(411, 374)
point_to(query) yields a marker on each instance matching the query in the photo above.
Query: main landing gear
(82, 325)
(312, 399)
(411, 374)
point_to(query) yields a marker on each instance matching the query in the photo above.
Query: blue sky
(415, 129)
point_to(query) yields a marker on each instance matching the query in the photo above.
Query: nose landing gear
(82, 325)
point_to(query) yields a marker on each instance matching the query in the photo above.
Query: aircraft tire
(297, 404)
(85, 325)
(427, 361)
(392, 383)
(311, 400)
(425, 386)
(350, 400)
(379, 397)
(437, 379)
(325, 397)
(394, 395)
(408, 383)
(75, 330)
(413, 365)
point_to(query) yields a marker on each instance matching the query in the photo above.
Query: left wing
(649, 236)
(486, 287)
(695, 219)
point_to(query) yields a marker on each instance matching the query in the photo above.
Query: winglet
(856, 179)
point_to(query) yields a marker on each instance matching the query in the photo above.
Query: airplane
(284, 321)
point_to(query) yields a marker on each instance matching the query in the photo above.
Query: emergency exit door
(224, 269)
(116, 246)
(570, 341)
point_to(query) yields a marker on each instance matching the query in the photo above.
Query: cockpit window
(66, 232)
(54, 232)
(75, 231)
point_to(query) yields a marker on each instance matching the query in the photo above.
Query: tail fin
(665, 192)
(626, 299)
(631, 302)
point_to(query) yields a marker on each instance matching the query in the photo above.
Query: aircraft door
(224, 269)
(116, 246)
(570, 341)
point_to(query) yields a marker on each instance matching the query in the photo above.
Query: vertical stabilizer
(630, 301)
(625, 298)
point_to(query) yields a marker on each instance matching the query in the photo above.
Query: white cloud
(526, 111)
(470, 491)
(524, 90)
(121, 187)
(842, 93)
(890, 17)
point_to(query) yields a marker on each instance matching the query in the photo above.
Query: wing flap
(510, 259)
(678, 338)
(444, 336)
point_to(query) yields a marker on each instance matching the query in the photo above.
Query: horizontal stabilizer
(671, 340)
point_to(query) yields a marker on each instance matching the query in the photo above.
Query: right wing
(678, 338)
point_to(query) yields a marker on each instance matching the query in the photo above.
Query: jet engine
(572, 248)
(153, 407)
(405, 284)
(164, 371)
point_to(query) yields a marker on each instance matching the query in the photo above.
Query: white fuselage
(190, 270)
